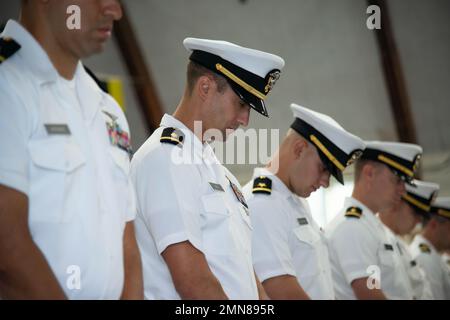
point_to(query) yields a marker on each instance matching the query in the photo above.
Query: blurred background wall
(333, 65)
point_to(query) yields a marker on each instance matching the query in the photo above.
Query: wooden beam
(393, 74)
(138, 70)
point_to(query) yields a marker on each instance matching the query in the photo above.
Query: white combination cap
(403, 158)
(250, 73)
(441, 207)
(421, 194)
(337, 147)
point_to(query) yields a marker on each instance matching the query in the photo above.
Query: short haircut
(195, 71)
(359, 165)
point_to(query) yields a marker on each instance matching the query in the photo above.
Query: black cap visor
(254, 102)
(334, 171)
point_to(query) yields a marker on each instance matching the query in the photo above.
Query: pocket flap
(386, 257)
(306, 234)
(56, 154)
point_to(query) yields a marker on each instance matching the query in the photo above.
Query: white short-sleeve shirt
(360, 248)
(286, 239)
(433, 265)
(56, 149)
(419, 282)
(185, 194)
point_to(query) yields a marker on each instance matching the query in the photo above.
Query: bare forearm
(201, 287)
(27, 275)
(24, 271)
(284, 287)
(261, 292)
(362, 291)
(133, 288)
(191, 275)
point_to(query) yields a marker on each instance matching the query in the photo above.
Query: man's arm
(261, 292)
(362, 291)
(133, 287)
(285, 287)
(24, 271)
(191, 275)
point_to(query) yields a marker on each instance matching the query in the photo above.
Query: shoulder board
(424, 248)
(262, 184)
(8, 47)
(353, 212)
(172, 136)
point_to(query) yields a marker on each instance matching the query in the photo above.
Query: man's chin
(228, 133)
(305, 194)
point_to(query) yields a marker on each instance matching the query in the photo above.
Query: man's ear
(433, 223)
(203, 87)
(299, 146)
(370, 170)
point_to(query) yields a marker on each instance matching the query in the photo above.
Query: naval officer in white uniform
(289, 249)
(193, 225)
(365, 261)
(66, 203)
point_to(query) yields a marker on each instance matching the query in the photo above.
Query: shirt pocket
(306, 235)
(215, 224)
(386, 257)
(306, 252)
(53, 177)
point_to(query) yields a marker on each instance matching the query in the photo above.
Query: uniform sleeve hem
(177, 238)
(263, 276)
(355, 275)
(14, 181)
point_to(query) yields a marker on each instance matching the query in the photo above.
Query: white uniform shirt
(56, 150)
(360, 248)
(185, 194)
(434, 267)
(286, 240)
(418, 282)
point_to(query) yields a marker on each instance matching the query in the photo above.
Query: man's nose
(113, 9)
(244, 116)
(325, 179)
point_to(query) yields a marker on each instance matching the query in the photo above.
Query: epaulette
(353, 212)
(262, 184)
(173, 136)
(7, 48)
(424, 248)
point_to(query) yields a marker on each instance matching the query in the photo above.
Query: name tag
(216, 187)
(57, 129)
(302, 221)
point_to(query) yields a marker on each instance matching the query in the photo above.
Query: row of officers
(79, 220)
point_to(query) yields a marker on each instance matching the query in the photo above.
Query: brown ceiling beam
(393, 74)
(143, 84)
